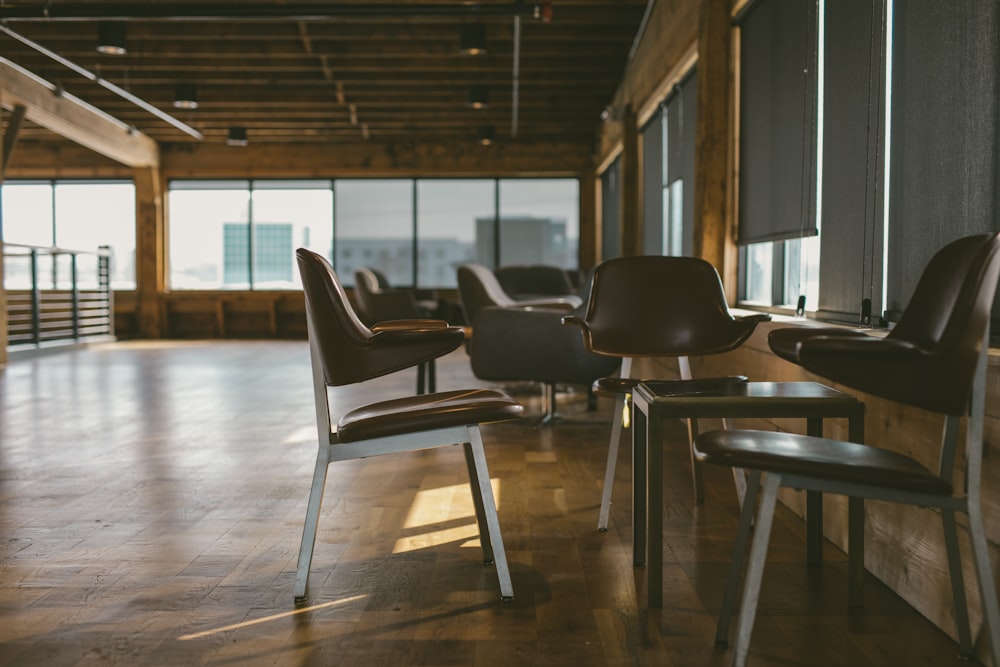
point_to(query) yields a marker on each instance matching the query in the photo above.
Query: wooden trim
(671, 79)
(603, 164)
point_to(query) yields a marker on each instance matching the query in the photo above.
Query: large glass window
(374, 229)
(455, 225)
(780, 135)
(75, 215)
(242, 234)
(539, 222)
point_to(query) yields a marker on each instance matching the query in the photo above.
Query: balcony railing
(54, 294)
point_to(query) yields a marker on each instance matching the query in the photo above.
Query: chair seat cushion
(617, 385)
(426, 413)
(820, 458)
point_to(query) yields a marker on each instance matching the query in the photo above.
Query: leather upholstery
(830, 459)
(479, 288)
(532, 281)
(350, 351)
(379, 303)
(660, 306)
(425, 412)
(928, 359)
(523, 340)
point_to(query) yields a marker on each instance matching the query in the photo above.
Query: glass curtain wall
(242, 234)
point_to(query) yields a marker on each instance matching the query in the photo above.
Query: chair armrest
(756, 317)
(395, 325)
(577, 321)
(407, 335)
(785, 341)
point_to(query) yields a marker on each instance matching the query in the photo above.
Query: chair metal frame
(947, 337)
(766, 484)
(332, 448)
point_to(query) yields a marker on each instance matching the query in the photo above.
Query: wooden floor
(151, 500)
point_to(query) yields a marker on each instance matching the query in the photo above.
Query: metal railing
(56, 294)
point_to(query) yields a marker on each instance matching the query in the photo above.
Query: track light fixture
(486, 135)
(479, 97)
(186, 96)
(472, 39)
(237, 137)
(111, 38)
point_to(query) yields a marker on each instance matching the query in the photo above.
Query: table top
(771, 398)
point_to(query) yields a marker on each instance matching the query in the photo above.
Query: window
(611, 211)
(907, 147)
(779, 137)
(456, 221)
(75, 215)
(539, 222)
(243, 234)
(374, 219)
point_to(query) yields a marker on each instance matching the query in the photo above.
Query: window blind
(777, 128)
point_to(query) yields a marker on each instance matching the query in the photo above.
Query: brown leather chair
(655, 306)
(377, 302)
(345, 351)
(934, 359)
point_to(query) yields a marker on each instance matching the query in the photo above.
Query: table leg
(638, 484)
(814, 507)
(654, 512)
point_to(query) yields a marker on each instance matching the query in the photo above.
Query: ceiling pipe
(296, 11)
(104, 83)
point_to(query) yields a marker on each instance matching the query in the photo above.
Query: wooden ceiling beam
(74, 119)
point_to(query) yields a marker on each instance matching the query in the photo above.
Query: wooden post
(712, 140)
(631, 234)
(150, 253)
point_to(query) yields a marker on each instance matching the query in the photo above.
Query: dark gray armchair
(525, 340)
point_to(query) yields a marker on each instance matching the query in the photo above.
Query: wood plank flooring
(152, 497)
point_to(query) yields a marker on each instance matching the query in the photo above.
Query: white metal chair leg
(311, 525)
(609, 469)
(736, 564)
(961, 606)
(489, 514)
(755, 569)
(477, 500)
(987, 588)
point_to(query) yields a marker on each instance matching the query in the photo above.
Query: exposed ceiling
(336, 72)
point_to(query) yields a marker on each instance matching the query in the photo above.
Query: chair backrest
(660, 306)
(366, 287)
(348, 350)
(381, 281)
(939, 337)
(478, 288)
(534, 280)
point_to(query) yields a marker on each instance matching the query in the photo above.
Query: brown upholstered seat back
(929, 358)
(653, 306)
(478, 288)
(350, 351)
